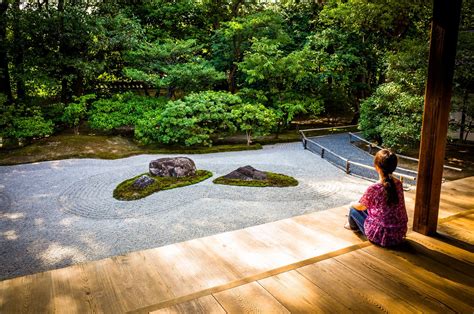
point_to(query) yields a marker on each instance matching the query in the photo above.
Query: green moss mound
(273, 179)
(126, 192)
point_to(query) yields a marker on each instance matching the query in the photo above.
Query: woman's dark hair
(387, 161)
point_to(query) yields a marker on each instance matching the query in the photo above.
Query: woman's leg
(357, 219)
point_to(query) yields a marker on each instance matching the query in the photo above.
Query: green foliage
(273, 180)
(392, 116)
(76, 111)
(279, 79)
(176, 19)
(126, 192)
(18, 122)
(191, 121)
(233, 39)
(409, 65)
(53, 112)
(293, 57)
(62, 51)
(463, 91)
(253, 119)
(192, 76)
(121, 110)
(172, 64)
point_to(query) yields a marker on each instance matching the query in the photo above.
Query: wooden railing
(372, 146)
(347, 168)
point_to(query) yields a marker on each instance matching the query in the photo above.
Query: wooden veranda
(302, 264)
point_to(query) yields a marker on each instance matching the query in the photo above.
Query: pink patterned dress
(385, 225)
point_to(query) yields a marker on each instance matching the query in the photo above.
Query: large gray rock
(247, 173)
(143, 182)
(172, 167)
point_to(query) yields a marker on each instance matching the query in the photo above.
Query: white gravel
(58, 213)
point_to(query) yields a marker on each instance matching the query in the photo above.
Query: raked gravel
(58, 213)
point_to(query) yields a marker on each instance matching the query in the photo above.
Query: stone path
(340, 144)
(54, 214)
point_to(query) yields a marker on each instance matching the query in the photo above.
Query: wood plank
(460, 186)
(457, 199)
(137, 281)
(245, 280)
(461, 229)
(444, 32)
(300, 241)
(353, 290)
(411, 289)
(299, 295)
(102, 290)
(437, 263)
(188, 267)
(249, 298)
(71, 290)
(438, 246)
(331, 221)
(27, 294)
(204, 305)
(443, 282)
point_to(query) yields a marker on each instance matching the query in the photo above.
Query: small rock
(143, 182)
(172, 167)
(246, 173)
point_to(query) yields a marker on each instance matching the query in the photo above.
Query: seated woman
(380, 214)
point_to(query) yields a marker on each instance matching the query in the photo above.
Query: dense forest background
(212, 68)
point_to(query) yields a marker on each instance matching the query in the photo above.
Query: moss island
(125, 191)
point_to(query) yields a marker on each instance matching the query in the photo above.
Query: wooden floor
(303, 264)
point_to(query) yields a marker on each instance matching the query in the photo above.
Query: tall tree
(5, 87)
(18, 48)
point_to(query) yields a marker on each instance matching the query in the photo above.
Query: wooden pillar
(444, 33)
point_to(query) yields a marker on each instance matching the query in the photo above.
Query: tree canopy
(277, 60)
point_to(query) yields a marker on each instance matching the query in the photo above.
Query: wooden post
(322, 153)
(444, 33)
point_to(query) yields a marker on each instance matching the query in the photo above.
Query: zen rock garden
(170, 173)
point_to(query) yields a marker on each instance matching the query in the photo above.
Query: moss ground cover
(273, 180)
(100, 146)
(126, 192)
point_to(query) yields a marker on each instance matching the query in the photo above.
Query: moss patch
(99, 146)
(126, 192)
(273, 179)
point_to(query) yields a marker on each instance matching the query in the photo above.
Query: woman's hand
(358, 206)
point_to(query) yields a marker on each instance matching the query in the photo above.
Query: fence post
(348, 167)
(322, 153)
(350, 138)
(305, 144)
(370, 148)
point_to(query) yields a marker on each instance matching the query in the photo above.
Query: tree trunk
(231, 78)
(249, 138)
(463, 124)
(5, 87)
(62, 53)
(235, 8)
(79, 85)
(469, 128)
(18, 57)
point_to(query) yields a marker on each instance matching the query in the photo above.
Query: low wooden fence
(349, 166)
(371, 147)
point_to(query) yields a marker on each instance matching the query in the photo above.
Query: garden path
(340, 144)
